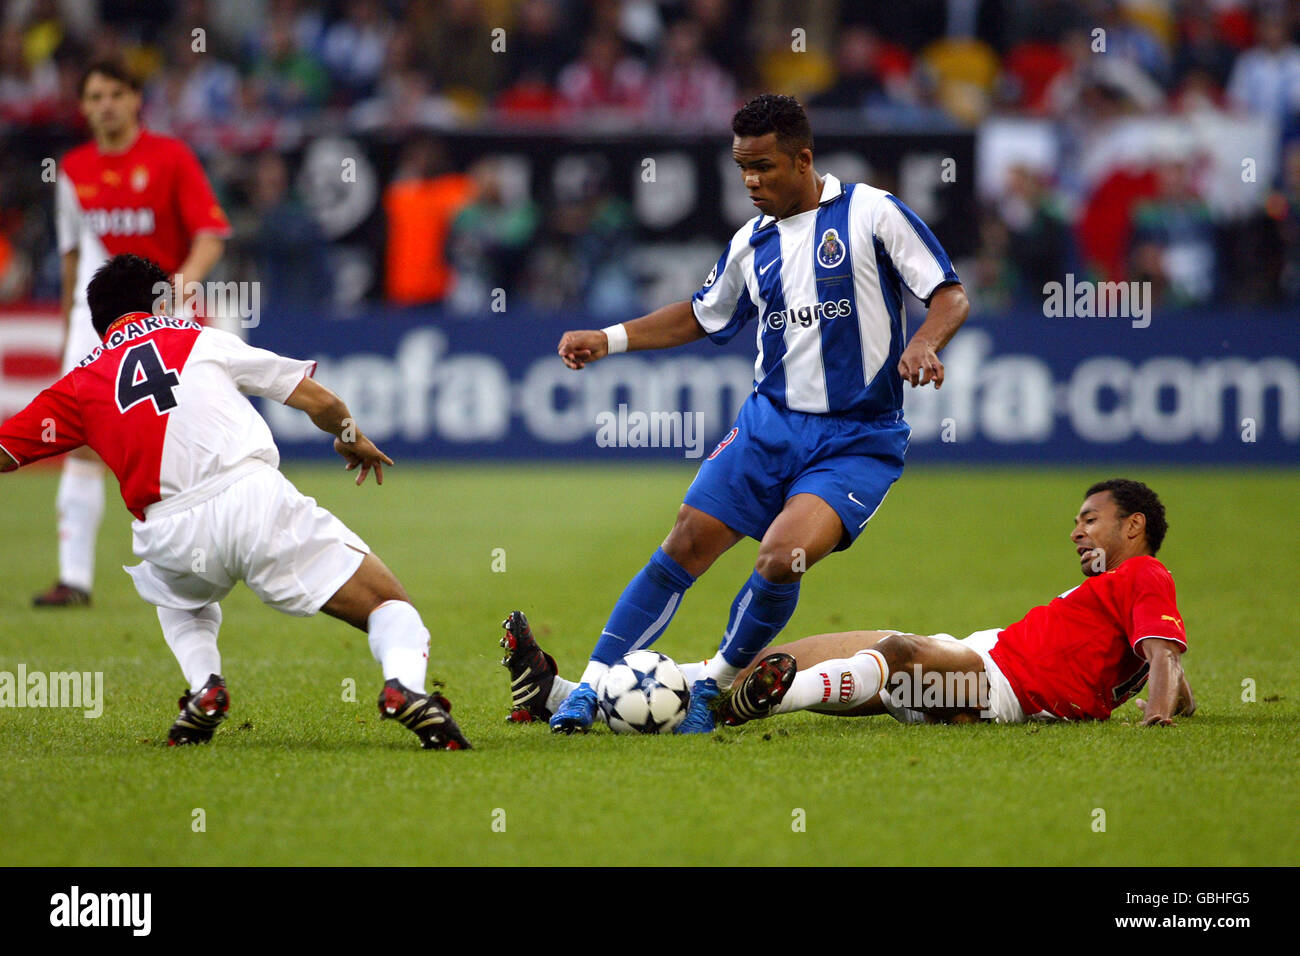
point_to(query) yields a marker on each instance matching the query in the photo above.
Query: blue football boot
(577, 711)
(700, 718)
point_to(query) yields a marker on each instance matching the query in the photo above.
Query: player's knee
(689, 543)
(779, 565)
(385, 587)
(899, 650)
(372, 585)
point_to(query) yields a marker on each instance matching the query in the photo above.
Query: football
(644, 693)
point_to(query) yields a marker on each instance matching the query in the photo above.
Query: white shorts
(1003, 707)
(293, 554)
(82, 338)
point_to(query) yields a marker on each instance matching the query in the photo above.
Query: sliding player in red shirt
(162, 401)
(1076, 658)
(126, 191)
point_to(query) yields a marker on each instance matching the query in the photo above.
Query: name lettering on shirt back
(134, 330)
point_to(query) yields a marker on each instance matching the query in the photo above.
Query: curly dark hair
(774, 113)
(1133, 497)
(123, 284)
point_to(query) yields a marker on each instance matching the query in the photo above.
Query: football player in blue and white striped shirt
(820, 274)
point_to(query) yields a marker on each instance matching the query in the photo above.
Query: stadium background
(427, 193)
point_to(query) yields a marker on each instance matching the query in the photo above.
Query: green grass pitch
(301, 775)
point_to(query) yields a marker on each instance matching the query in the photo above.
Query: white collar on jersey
(831, 189)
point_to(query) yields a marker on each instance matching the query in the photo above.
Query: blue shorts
(773, 454)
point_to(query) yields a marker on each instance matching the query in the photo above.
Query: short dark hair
(123, 284)
(110, 67)
(1133, 497)
(774, 113)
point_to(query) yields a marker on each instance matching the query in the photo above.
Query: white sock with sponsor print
(192, 636)
(840, 684)
(400, 642)
(80, 504)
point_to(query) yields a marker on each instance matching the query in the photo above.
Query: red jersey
(162, 403)
(150, 200)
(1077, 657)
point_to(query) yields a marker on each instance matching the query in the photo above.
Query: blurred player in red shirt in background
(126, 191)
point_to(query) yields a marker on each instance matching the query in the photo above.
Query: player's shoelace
(532, 671)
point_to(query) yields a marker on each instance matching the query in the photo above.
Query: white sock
(694, 672)
(904, 715)
(80, 504)
(594, 674)
(723, 674)
(560, 689)
(192, 636)
(839, 684)
(400, 642)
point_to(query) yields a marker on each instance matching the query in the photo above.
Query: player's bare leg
(374, 601)
(370, 586)
(697, 540)
(806, 530)
(909, 656)
(80, 507)
(843, 674)
(646, 606)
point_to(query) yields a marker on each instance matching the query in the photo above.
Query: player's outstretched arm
(330, 414)
(664, 328)
(919, 363)
(7, 462)
(1186, 702)
(1168, 694)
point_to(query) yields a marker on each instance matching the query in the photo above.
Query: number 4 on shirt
(143, 377)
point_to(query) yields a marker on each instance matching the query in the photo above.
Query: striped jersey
(825, 288)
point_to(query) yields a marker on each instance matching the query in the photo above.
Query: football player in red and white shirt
(126, 191)
(1076, 658)
(162, 402)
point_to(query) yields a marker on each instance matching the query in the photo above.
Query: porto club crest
(830, 252)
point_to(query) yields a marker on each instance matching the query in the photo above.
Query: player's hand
(920, 365)
(363, 454)
(1152, 719)
(579, 348)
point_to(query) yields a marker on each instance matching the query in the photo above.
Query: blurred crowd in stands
(244, 81)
